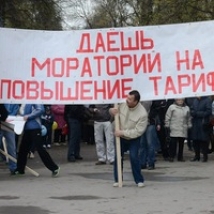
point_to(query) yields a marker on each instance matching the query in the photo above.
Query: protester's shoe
(195, 159)
(141, 184)
(72, 159)
(16, 172)
(171, 159)
(78, 157)
(166, 158)
(152, 167)
(56, 144)
(204, 160)
(143, 166)
(116, 184)
(181, 160)
(44, 146)
(48, 146)
(55, 173)
(100, 163)
(31, 155)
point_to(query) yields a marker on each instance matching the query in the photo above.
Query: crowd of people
(146, 128)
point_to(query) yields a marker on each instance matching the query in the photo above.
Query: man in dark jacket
(149, 140)
(74, 115)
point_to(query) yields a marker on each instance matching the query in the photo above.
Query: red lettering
(111, 41)
(130, 46)
(85, 44)
(86, 70)
(185, 60)
(32, 90)
(101, 89)
(46, 93)
(18, 86)
(70, 95)
(71, 64)
(115, 89)
(141, 64)
(196, 84)
(85, 87)
(170, 86)
(6, 84)
(183, 81)
(35, 64)
(155, 84)
(146, 64)
(125, 61)
(99, 58)
(58, 67)
(125, 89)
(57, 90)
(100, 43)
(197, 60)
(210, 79)
(152, 64)
(146, 43)
(112, 66)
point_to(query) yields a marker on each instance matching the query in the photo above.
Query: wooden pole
(14, 160)
(118, 150)
(5, 148)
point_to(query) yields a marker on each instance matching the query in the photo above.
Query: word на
(79, 91)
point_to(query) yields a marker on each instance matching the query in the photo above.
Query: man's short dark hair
(136, 95)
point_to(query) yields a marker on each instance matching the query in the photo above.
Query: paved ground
(172, 188)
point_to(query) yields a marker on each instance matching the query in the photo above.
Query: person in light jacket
(177, 122)
(133, 123)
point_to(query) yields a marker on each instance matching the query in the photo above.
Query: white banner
(102, 66)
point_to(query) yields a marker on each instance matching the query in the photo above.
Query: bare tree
(31, 14)
(78, 13)
(120, 13)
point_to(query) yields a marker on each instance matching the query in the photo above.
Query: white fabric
(104, 65)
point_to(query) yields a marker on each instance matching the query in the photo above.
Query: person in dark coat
(149, 140)
(189, 102)
(161, 107)
(201, 110)
(3, 112)
(74, 116)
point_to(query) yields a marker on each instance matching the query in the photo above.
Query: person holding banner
(32, 134)
(133, 122)
(10, 136)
